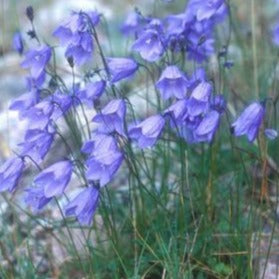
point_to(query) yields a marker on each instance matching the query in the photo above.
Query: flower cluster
(191, 108)
(189, 32)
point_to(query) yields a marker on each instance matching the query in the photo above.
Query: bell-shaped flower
(105, 160)
(36, 144)
(39, 115)
(121, 68)
(218, 103)
(177, 24)
(205, 131)
(132, 23)
(111, 118)
(92, 92)
(25, 101)
(74, 33)
(36, 60)
(54, 179)
(80, 49)
(177, 112)
(209, 8)
(148, 131)
(36, 199)
(172, 83)
(10, 173)
(17, 43)
(249, 121)
(198, 103)
(271, 134)
(197, 77)
(149, 45)
(84, 205)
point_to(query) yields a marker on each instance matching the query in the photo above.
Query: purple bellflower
(197, 77)
(200, 47)
(36, 199)
(104, 161)
(25, 102)
(121, 68)
(149, 45)
(39, 115)
(61, 104)
(172, 83)
(177, 24)
(198, 103)
(18, 43)
(92, 92)
(80, 49)
(84, 205)
(10, 173)
(131, 24)
(148, 131)
(54, 179)
(36, 60)
(218, 103)
(111, 118)
(36, 144)
(75, 34)
(271, 134)
(249, 122)
(36, 83)
(177, 112)
(206, 129)
(208, 9)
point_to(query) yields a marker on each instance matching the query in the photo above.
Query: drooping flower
(172, 83)
(92, 92)
(10, 173)
(25, 102)
(80, 49)
(200, 47)
(111, 118)
(177, 112)
(148, 131)
(249, 121)
(271, 134)
(84, 205)
(39, 115)
(198, 102)
(132, 23)
(61, 104)
(207, 9)
(76, 23)
(218, 103)
(149, 45)
(177, 24)
(18, 43)
(75, 34)
(105, 160)
(36, 83)
(197, 77)
(35, 198)
(206, 129)
(54, 179)
(121, 68)
(36, 144)
(36, 60)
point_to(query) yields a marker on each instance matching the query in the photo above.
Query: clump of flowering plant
(92, 110)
